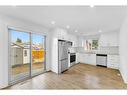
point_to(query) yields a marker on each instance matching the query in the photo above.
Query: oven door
(72, 58)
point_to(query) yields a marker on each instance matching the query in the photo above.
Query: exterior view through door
(38, 53)
(27, 55)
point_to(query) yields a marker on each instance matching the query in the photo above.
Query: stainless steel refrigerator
(63, 55)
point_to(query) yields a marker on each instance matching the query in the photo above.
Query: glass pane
(94, 44)
(20, 54)
(38, 53)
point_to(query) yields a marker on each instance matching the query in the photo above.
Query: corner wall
(123, 50)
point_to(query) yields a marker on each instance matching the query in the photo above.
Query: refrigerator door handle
(63, 59)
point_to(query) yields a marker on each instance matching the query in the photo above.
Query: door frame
(10, 82)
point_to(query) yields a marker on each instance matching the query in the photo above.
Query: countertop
(99, 53)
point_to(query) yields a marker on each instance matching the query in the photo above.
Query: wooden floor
(80, 76)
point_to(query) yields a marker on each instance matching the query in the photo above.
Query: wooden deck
(26, 67)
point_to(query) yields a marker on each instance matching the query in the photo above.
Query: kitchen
(80, 46)
(99, 50)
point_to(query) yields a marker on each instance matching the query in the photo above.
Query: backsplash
(72, 49)
(109, 49)
(103, 50)
(80, 49)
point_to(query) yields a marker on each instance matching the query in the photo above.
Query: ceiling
(84, 19)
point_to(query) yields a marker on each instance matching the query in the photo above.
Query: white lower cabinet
(86, 58)
(113, 61)
(80, 57)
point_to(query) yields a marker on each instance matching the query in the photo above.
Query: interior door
(19, 68)
(38, 54)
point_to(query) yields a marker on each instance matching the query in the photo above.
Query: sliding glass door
(19, 55)
(27, 55)
(38, 53)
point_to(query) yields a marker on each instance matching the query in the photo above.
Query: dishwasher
(101, 60)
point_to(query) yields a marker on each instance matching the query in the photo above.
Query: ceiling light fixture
(76, 30)
(91, 5)
(67, 26)
(53, 22)
(14, 5)
(99, 31)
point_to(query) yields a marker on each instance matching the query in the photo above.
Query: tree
(19, 40)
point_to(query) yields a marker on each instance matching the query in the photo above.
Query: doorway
(38, 54)
(26, 55)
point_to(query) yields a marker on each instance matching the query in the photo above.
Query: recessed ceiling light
(14, 5)
(91, 5)
(76, 30)
(53, 22)
(99, 31)
(67, 26)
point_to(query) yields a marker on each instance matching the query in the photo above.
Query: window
(25, 52)
(94, 44)
(91, 44)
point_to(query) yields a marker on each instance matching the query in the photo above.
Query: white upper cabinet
(64, 35)
(61, 34)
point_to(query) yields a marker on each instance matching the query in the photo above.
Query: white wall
(123, 50)
(105, 39)
(3, 55)
(18, 24)
(59, 33)
(109, 39)
(81, 39)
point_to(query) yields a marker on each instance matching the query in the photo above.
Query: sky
(25, 37)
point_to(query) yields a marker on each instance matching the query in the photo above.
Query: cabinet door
(86, 58)
(91, 59)
(77, 57)
(113, 61)
(80, 58)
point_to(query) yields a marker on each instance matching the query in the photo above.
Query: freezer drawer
(63, 65)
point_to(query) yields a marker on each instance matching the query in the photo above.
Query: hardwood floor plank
(80, 76)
